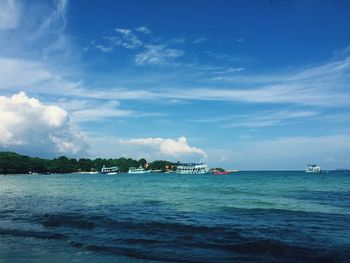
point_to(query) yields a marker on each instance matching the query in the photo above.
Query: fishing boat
(109, 170)
(140, 170)
(192, 168)
(312, 168)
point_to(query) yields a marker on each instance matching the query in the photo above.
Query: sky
(249, 85)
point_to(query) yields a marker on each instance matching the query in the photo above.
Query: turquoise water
(245, 216)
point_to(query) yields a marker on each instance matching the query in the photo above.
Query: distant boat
(312, 168)
(192, 168)
(140, 170)
(110, 170)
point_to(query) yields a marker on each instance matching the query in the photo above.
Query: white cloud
(230, 70)
(120, 37)
(277, 94)
(39, 32)
(321, 86)
(168, 147)
(27, 122)
(9, 14)
(18, 72)
(261, 119)
(157, 55)
(107, 110)
(36, 77)
(125, 38)
(104, 49)
(56, 22)
(143, 29)
(323, 74)
(130, 40)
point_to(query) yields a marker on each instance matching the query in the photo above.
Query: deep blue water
(242, 217)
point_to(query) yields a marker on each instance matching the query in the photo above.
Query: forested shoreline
(13, 163)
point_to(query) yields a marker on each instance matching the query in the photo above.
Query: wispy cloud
(121, 37)
(104, 48)
(107, 110)
(151, 50)
(337, 70)
(9, 14)
(323, 89)
(24, 74)
(37, 31)
(55, 22)
(157, 55)
(92, 110)
(199, 40)
(268, 118)
(261, 119)
(128, 39)
(278, 94)
(143, 29)
(229, 70)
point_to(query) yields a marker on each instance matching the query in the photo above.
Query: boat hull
(221, 173)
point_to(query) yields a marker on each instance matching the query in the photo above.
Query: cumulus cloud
(26, 123)
(168, 147)
(9, 14)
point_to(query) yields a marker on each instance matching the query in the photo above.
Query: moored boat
(140, 170)
(192, 168)
(312, 168)
(109, 170)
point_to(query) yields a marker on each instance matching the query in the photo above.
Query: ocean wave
(249, 251)
(35, 234)
(67, 220)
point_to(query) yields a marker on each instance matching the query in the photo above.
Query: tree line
(13, 163)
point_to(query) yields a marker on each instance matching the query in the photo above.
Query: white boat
(192, 168)
(312, 168)
(140, 170)
(110, 170)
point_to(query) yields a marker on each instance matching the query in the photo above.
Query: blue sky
(240, 84)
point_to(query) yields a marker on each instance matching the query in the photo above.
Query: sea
(240, 217)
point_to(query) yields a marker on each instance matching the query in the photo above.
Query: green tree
(141, 162)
